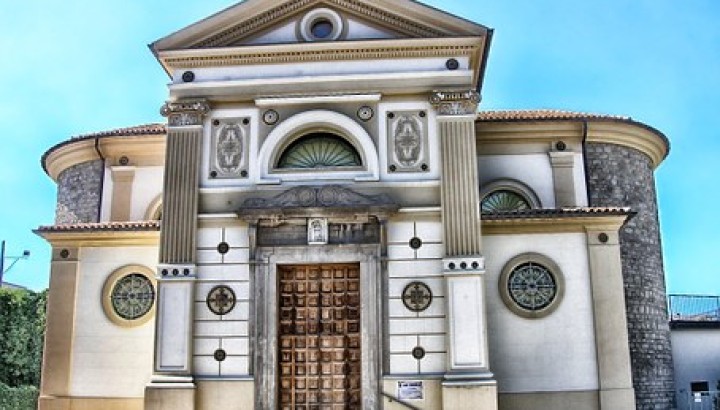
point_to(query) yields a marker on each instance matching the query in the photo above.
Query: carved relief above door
(319, 337)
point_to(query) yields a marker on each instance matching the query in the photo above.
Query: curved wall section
(78, 198)
(622, 176)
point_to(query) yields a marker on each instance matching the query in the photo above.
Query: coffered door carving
(319, 337)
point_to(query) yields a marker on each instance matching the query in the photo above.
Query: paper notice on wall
(410, 390)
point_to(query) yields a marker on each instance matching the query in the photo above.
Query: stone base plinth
(473, 395)
(170, 396)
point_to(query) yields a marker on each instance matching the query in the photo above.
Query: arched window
(504, 200)
(319, 150)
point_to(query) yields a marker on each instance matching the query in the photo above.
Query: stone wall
(620, 176)
(79, 193)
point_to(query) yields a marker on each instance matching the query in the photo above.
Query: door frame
(265, 292)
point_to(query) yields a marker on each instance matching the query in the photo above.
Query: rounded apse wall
(78, 193)
(622, 176)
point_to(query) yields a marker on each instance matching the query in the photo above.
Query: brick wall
(620, 176)
(79, 193)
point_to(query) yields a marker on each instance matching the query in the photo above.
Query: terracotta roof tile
(102, 227)
(529, 115)
(144, 129)
(557, 213)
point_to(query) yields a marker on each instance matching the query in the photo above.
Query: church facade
(326, 221)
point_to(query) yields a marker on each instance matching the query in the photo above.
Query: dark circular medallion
(418, 352)
(452, 64)
(124, 160)
(417, 296)
(393, 168)
(223, 248)
(270, 117)
(415, 243)
(390, 115)
(188, 76)
(561, 146)
(220, 355)
(213, 174)
(221, 300)
(64, 253)
(603, 237)
(365, 113)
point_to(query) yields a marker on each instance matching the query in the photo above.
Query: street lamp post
(25, 255)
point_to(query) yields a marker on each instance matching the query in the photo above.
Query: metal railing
(694, 308)
(699, 401)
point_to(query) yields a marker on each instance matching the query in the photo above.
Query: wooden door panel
(319, 337)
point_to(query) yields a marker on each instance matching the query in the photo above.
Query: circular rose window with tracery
(133, 296)
(532, 286)
(129, 295)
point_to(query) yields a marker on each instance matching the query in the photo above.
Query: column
(468, 381)
(122, 179)
(611, 334)
(563, 168)
(172, 385)
(60, 329)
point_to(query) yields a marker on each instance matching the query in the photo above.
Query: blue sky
(75, 66)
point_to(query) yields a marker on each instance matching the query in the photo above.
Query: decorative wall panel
(407, 141)
(229, 148)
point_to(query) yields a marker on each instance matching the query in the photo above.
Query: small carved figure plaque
(317, 231)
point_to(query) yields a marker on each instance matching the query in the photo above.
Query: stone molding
(331, 196)
(184, 113)
(244, 28)
(313, 52)
(455, 102)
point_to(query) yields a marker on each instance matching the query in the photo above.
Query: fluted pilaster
(460, 191)
(180, 201)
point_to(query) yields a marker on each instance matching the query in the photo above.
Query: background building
(320, 182)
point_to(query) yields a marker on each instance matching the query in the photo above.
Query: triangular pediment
(265, 22)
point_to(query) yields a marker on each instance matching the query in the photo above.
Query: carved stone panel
(407, 141)
(229, 148)
(319, 337)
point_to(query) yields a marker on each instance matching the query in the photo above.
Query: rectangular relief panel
(407, 136)
(229, 148)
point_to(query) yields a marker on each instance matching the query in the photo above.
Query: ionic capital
(455, 102)
(182, 113)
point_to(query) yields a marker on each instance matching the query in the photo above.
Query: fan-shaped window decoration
(504, 200)
(319, 150)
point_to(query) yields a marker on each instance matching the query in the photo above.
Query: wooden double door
(319, 337)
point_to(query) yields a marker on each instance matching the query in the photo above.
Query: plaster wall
(553, 353)
(147, 186)
(406, 329)
(120, 357)
(533, 170)
(230, 332)
(696, 357)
